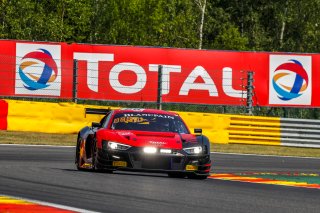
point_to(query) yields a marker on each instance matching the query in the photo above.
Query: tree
(63, 20)
(220, 32)
(202, 7)
(146, 22)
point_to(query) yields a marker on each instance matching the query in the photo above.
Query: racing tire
(96, 166)
(77, 158)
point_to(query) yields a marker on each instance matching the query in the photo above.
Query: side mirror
(198, 131)
(95, 124)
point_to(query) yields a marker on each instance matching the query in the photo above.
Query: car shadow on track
(124, 173)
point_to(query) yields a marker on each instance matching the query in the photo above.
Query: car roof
(141, 110)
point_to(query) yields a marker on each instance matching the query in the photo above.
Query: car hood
(167, 140)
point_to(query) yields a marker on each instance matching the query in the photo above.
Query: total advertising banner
(127, 73)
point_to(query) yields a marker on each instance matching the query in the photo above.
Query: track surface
(48, 174)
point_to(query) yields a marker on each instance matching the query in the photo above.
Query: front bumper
(135, 159)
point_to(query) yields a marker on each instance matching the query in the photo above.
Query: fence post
(75, 81)
(159, 94)
(249, 92)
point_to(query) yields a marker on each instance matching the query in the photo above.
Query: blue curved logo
(48, 74)
(300, 83)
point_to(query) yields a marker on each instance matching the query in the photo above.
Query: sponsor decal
(191, 167)
(148, 115)
(119, 163)
(157, 143)
(290, 79)
(38, 69)
(130, 120)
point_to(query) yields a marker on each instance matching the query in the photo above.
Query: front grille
(157, 161)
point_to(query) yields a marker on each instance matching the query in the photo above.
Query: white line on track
(58, 206)
(278, 156)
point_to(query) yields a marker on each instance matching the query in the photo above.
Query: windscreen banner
(129, 73)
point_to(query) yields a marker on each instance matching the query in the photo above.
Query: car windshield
(149, 122)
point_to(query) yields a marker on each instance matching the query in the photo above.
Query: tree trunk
(283, 25)
(202, 7)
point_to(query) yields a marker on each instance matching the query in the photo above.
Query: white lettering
(137, 69)
(166, 70)
(148, 115)
(92, 67)
(208, 84)
(227, 84)
(189, 83)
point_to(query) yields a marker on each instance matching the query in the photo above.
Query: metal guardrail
(300, 132)
(274, 131)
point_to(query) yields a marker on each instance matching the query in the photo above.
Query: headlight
(193, 150)
(117, 146)
(165, 151)
(149, 150)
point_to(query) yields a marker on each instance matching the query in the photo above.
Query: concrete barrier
(70, 118)
(3, 114)
(219, 128)
(254, 130)
(48, 117)
(214, 126)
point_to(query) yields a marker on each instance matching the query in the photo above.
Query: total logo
(158, 143)
(38, 69)
(290, 80)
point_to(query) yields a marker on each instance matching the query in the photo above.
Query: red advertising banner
(127, 73)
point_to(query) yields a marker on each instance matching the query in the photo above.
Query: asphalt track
(48, 174)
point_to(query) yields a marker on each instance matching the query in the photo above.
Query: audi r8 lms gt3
(143, 140)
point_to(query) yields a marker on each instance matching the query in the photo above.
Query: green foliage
(146, 22)
(63, 20)
(257, 25)
(277, 25)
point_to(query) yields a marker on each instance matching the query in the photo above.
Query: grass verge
(266, 150)
(35, 138)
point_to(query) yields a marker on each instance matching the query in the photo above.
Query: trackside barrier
(214, 126)
(48, 117)
(254, 130)
(300, 132)
(219, 128)
(235, 129)
(69, 118)
(3, 114)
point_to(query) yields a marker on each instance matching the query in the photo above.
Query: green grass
(35, 138)
(10, 137)
(266, 150)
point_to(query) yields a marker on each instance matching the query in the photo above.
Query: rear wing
(96, 111)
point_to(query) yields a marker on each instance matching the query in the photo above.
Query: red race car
(143, 140)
